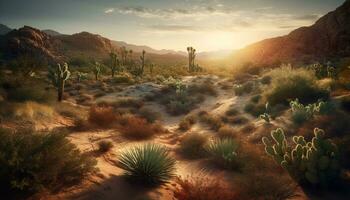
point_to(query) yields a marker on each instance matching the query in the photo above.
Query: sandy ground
(109, 184)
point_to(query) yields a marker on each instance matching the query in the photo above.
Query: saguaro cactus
(151, 66)
(314, 162)
(96, 70)
(58, 78)
(191, 57)
(114, 63)
(142, 58)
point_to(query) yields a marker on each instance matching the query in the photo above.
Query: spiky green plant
(96, 70)
(266, 117)
(314, 162)
(224, 152)
(58, 78)
(147, 163)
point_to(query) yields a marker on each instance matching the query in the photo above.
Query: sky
(207, 25)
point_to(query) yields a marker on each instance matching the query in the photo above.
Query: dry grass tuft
(201, 187)
(102, 116)
(138, 128)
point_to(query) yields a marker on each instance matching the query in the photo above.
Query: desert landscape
(86, 117)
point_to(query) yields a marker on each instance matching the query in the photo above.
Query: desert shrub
(147, 163)
(255, 109)
(32, 111)
(31, 92)
(125, 78)
(235, 120)
(288, 84)
(320, 155)
(102, 116)
(241, 89)
(266, 80)
(204, 88)
(232, 111)
(227, 132)
(224, 153)
(138, 128)
(104, 146)
(32, 161)
(186, 123)
(192, 144)
(213, 121)
(177, 98)
(201, 187)
(148, 114)
(263, 185)
(249, 128)
(129, 102)
(255, 99)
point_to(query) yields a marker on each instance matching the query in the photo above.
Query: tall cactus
(114, 63)
(314, 162)
(151, 67)
(142, 58)
(58, 77)
(96, 70)
(191, 57)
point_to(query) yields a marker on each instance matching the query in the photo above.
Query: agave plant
(148, 163)
(224, 152)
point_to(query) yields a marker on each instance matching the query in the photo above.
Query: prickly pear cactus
(314, 162)
(58, 77)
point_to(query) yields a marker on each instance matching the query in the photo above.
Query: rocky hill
(52, 47)
(328, 38)
(4, 29)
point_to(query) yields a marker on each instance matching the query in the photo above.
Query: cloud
(309, 17)
(109, 10)
(175, 13)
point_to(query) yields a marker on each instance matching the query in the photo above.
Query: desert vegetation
(85, 117)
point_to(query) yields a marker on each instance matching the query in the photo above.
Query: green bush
(192, 144)
(255, 109)
(232, 111)
(148, 163)
(224, 152)
(288, 84)
(104, 146)
(31, 162)
(255, 99)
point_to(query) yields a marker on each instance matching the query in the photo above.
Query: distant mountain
(53, 48)
(328, 38)
(4, 29)
(51, 32)
(139, 48)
